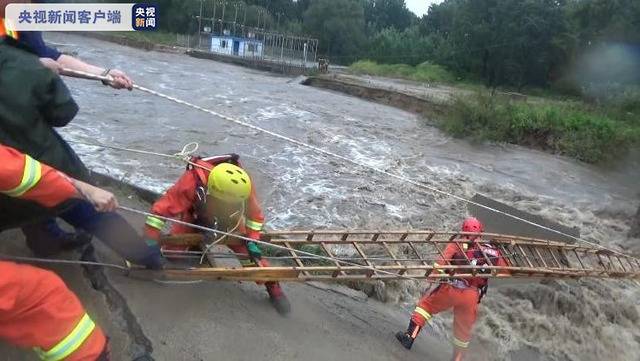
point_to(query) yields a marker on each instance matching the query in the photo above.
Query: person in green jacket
(34, 100)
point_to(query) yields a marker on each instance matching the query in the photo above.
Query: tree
(339, 25)
(502, 41)
(392, 47)
(384, 14)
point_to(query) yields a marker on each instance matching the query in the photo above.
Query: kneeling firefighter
(218, 194)
(463, 295)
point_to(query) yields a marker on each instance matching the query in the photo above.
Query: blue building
(232, 45)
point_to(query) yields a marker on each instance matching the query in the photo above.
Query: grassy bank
(425, 72)
(588, 133)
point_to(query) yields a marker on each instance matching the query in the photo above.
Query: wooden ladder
(384, 255)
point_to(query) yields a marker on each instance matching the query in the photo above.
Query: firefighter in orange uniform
(37, 310)
(218, 194)
(463, 295)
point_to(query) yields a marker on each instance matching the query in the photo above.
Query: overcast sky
(420, 7)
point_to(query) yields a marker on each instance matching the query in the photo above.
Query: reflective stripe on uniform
(30, 177)
(6, 29)
(154, 222)
(460, 344)
(422, 312)
(256, 226)
(435, 265)
(71, 343)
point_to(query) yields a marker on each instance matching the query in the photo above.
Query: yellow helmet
(229, 183)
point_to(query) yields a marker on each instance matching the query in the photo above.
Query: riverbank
(179, 44)
(589, 133)
(160, 42)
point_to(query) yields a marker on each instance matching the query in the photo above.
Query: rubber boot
(46, 239)
(278, 298)
(77, 240)
(406, 338)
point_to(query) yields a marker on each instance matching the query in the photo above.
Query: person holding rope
(51, 57)
(33, 100)
(216, 192)
(463, 295)
(37, 310)
(46, 232)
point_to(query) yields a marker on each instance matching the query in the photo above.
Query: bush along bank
(589, 134)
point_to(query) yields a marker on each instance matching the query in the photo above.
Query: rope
(62, 261)
(337, 156)
(184, 154)
(88, 263)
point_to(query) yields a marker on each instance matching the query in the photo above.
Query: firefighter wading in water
(219, 195)
(463, 295)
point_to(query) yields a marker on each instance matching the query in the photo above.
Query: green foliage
(571, 45)
(384, 14)
(392, 46)
(339, 25)
(568, 128)
(425, 72)
(502, 41)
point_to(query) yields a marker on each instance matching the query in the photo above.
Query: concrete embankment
(427, 104)
(134, 43)
(254, 63)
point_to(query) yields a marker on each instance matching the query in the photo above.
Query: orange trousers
(37, 310)
(464, 302)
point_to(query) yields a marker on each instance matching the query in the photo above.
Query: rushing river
(300, 189)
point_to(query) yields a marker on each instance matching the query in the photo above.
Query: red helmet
(472, 224)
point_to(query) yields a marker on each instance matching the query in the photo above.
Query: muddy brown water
(555, 320)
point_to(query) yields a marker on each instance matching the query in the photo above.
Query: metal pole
(282, 49)
(315, 51)
(224, 5)
(304, 55)
(244, 21)
(213, 19)
(235, 17)
(200, 25)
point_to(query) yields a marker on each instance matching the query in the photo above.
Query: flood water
(589, 320)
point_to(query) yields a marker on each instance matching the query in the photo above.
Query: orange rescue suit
(37, 310)
(463, 295)
(180, 201)
(24, 177)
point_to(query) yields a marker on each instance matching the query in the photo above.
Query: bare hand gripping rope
(81, 74)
